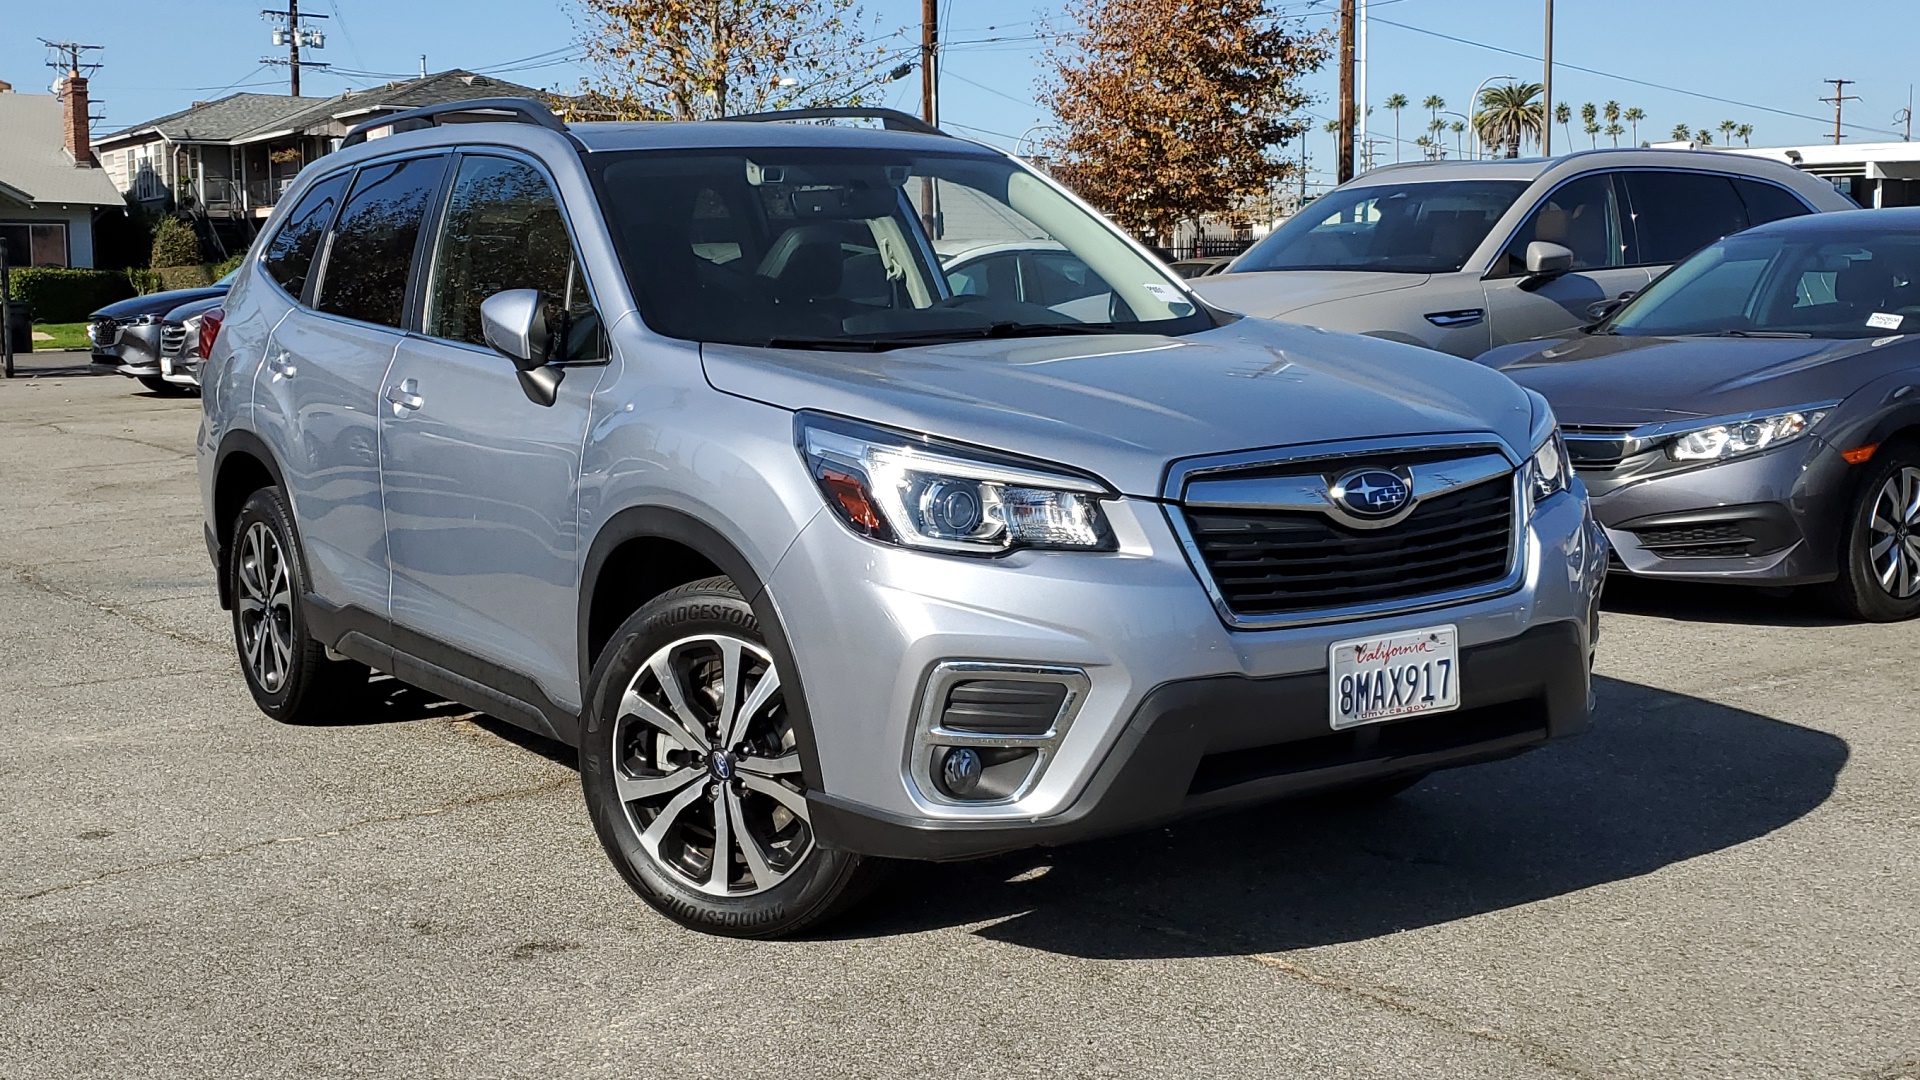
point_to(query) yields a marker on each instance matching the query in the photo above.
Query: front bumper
(138, 350)
(1180, 714)
(1772, 518)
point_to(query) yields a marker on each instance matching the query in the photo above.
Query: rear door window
(1677, 213)
(289, 258)
(1581, 215)
(370, 259)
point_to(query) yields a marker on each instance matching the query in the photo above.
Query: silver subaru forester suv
(673, 442)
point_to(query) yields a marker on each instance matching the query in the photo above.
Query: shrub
(62, 295)
(227, 266)
(144, 281)
(183, 277)
(174, 244)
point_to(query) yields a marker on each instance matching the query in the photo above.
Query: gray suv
(1462, 256)
(672, 442)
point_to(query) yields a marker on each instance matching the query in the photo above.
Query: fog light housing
(986, 730)
(960, 770)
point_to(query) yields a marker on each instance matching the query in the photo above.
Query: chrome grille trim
(1209, 476)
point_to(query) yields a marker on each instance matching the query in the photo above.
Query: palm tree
(1703, 136)
(1426, 147)
(1396, 102)
(1682, 133)
(1590, 121)
(1745, 131)
(1563, 115)
(1459, 128)
(1727, 128)
(1614, 131)
(1611, 112)
(1510, 113)
(1434, 104)
(1634, 116)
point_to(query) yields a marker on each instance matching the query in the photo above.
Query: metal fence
(1205, 248)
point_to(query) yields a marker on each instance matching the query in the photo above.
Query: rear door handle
(404, 397)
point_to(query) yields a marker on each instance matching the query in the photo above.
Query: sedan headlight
(923, 493)
(1742, 435)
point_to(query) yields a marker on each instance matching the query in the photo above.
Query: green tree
(1459, 129)
(1433, 104)
(1614, 131)
(1172, 109)
(174, 244)
(1396, 102)
(1682, 133)
(1633, 116)
(1703, 136)
(699, 59)
(1510, 114)
(1563, 115)
(1727, 128)
(1745, 131)
(1590, 123)
(1610, 112)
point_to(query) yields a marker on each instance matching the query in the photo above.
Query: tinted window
(290, 254)
(503, 230)
(995, 275)
(371, 254)
(1676, 214)
(1766, 202)
(1418, 228)
(1582, 216)
(1798, 283)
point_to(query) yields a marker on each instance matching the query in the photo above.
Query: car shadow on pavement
(1660, 779)
(1741, 605)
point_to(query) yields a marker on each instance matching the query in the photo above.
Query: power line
(1625, 78)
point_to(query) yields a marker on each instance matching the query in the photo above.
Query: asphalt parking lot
(1722, 880)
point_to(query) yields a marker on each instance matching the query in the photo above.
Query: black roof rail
(514, 110)
(891, 119)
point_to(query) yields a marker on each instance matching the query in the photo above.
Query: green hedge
(174, 244)
(61, 295)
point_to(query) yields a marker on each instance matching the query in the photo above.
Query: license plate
(1385, 678)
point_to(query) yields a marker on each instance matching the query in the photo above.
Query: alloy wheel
(707, 768)
(266, 608)
(1895, 549)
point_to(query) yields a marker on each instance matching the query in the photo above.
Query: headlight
(140, 320)
(918, 492)
(1548, 472)
(1742, 436)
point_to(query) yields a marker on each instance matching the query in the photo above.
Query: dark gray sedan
(1754, 415)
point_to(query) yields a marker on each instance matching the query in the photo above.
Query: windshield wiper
(1759, 334)
(908, 339)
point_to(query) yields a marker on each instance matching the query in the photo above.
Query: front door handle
(1461, 317)
(404, 397)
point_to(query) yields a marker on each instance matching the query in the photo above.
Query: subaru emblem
(1371, 493)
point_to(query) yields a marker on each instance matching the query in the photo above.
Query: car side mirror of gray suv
(1546, 261)
(514, 322)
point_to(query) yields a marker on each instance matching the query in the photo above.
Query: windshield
(1426, 228)
(1825, 286)
(813, 248)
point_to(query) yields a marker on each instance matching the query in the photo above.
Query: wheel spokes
(633, 706)
(635, 788)
(669, 814)
(764, 875)
(784, 765)
(778, 791)
(720, 867)
(763, 692)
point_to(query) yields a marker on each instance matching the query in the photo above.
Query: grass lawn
(72, 335)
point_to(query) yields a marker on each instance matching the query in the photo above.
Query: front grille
(1595, 447)
(1725, 540)
(1274, 562)
(104, 332)
(173, 339)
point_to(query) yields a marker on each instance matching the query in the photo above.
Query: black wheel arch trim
(666, 523)
(242, 441)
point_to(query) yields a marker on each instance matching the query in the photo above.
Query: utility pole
(1343, 153)
(1360, 103)
(930, 61)
(1840, 98)
(293, 35)
(1546, 84)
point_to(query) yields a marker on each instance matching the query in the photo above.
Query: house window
(35, 244)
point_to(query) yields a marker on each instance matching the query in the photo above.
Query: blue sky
(1760, 54)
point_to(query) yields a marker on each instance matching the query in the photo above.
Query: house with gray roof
(51, 187)
(230, 160)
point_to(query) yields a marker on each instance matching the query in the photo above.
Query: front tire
(691, 768)
(159, 385)
(1880, 554)
(286, 668)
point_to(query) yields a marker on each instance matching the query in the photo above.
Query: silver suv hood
(1124, 406)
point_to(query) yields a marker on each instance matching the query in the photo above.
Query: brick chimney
(73, 97)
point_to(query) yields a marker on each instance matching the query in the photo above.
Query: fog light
(960, 771)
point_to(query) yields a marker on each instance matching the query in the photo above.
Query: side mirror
(1545, 259)
(514, 322)
(1600, 309)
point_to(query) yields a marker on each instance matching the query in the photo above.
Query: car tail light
(210, 321)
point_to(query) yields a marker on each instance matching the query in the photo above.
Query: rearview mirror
(1546, 259)
(514, 322)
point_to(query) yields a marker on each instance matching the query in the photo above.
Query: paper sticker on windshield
(1162, 293)
(1880, 320)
